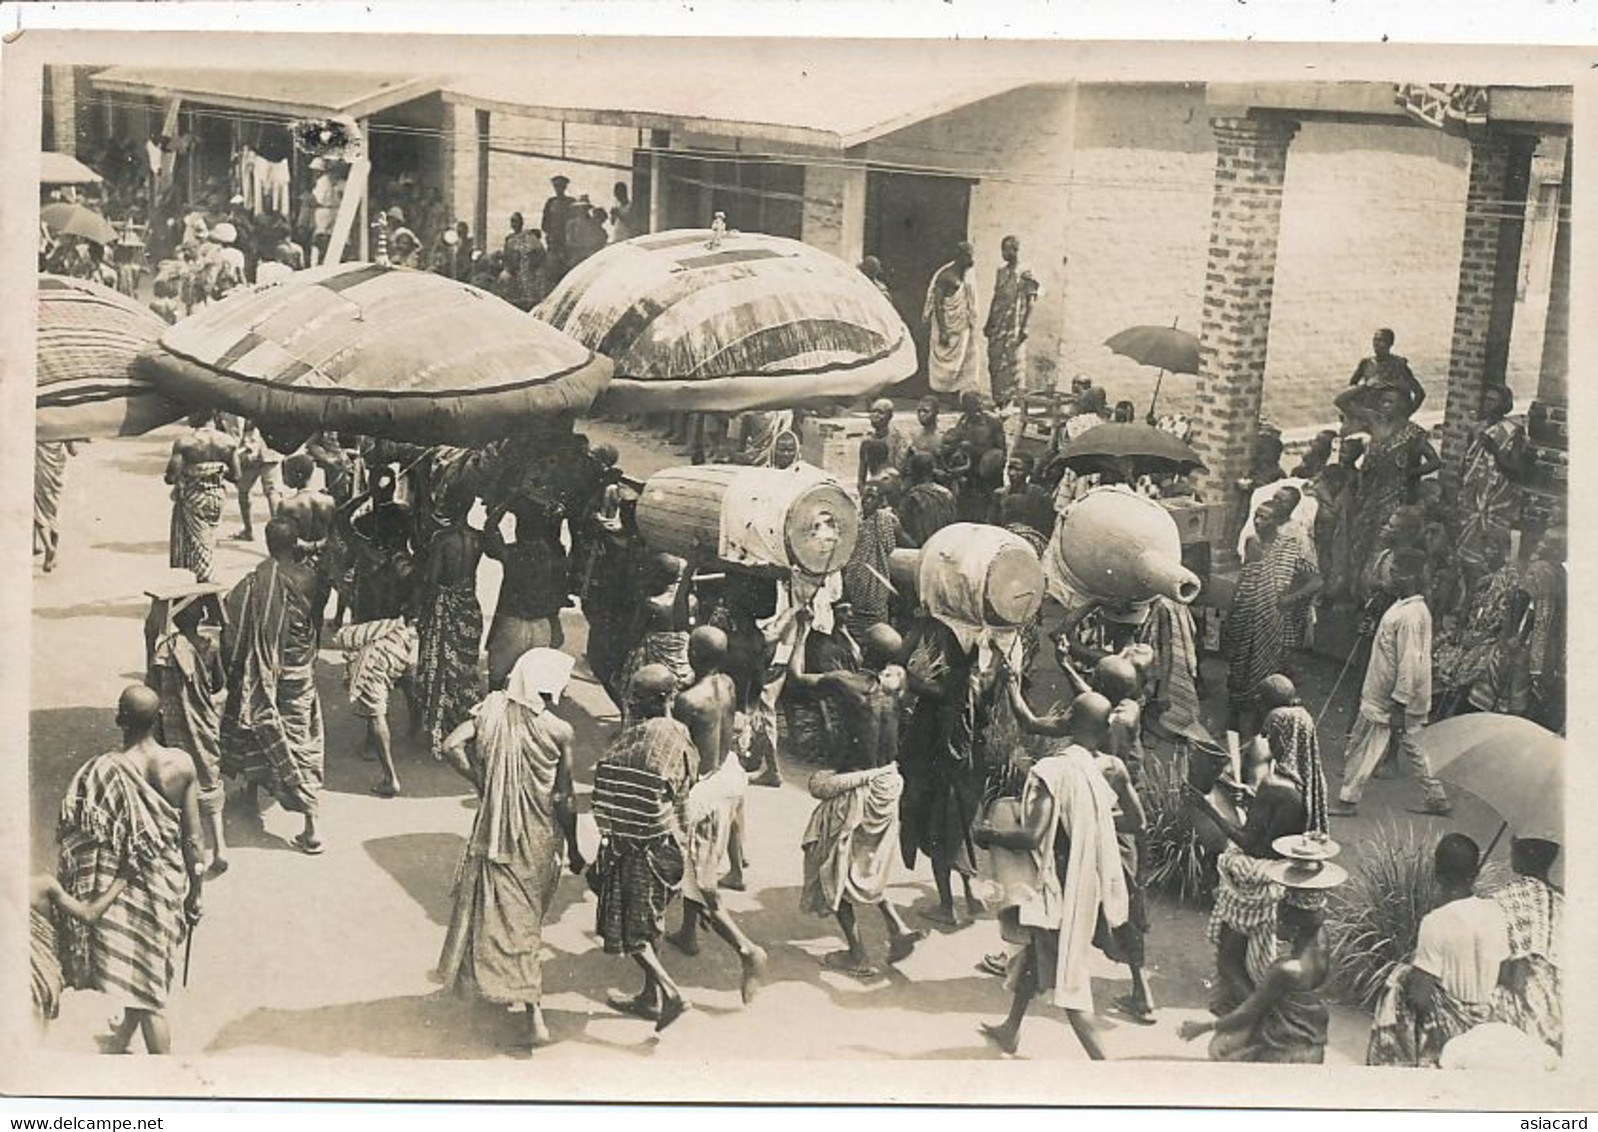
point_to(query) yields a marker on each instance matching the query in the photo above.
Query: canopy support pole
(366, 201)
(351, 203)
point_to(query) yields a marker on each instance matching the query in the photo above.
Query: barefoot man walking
(707, 710)
(850, 842)
(132, 814)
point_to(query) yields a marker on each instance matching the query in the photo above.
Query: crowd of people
(925, 739)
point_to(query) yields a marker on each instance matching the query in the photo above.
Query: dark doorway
(913, 222)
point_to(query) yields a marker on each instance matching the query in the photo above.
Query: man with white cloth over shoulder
(1068, 826)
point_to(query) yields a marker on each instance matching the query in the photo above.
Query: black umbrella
(1164, 347)
(1150, 449)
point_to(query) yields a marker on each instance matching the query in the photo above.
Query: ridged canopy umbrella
(696, 320)
(89, 338)
(380, 351)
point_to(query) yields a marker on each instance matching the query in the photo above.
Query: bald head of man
(1115, 677)
(882, 646)
(652, 687)
(1090, 720)
(1277, 691)
(137, 710)
(707, 649)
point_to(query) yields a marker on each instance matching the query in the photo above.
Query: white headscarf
(538, 673)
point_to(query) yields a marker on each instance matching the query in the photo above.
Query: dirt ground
(335, 954)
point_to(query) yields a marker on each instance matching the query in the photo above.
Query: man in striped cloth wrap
(186, 672)
(272, 721)
(378, 655)
(850, 841)
(202, 461)
(1281, 572)
(640, 803)
(132, 814)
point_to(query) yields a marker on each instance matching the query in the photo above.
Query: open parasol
(378, 351)
(1150, 449)
(1165, 347)
(1514, 765)
(66, 219)
(700, 320)
(89, 338)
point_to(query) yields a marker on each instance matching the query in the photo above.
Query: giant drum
(977, 573)
(771, 521)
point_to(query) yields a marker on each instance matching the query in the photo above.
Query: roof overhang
(304, 94)
(816, 115)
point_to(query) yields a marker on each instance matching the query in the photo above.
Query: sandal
(306, 845)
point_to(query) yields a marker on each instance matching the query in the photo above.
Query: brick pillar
(1547, 421)
(458, 169)
(63, 110)
(1484, 311)
(1245, 220)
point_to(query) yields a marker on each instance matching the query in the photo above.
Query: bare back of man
(311, 512)
(869, 703)
(170, 771)
(707, 709)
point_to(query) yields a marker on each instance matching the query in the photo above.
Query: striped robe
(640, 800)
(272, 721)
(197, 500)
(114, 822)
(44, 964)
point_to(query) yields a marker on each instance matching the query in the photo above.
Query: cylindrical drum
(980, 574)
(765, 520)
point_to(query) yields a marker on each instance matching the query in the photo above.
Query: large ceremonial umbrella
(89, 338)
(1165, 347)
(78, 220)
(1150, 449)
(1514, 765)
(697, 321)
(64, 169)
(379, 351)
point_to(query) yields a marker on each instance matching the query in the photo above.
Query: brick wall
(1245, 217)
(518, 183)
(1370, 235)
(1489, 171)
(1138, 226)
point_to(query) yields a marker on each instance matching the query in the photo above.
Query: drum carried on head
(769, 521)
